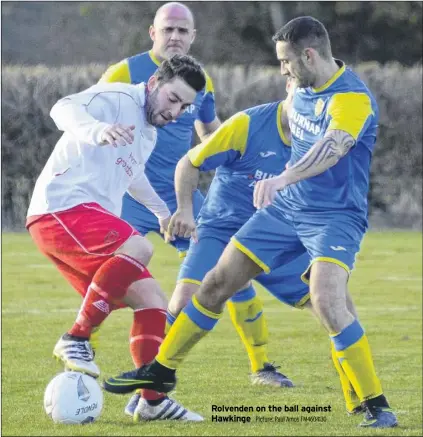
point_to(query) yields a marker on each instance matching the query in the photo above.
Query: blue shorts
(284, 283)
(272, 238)
(144, 221)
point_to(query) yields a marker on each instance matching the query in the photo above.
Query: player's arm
(224, 146)
(207, 121)
(142, 191)
(117, 73)
(80, 115)
(349, 115)
(204, 130)
(323, 155)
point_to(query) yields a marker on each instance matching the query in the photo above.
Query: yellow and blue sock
(246, 312)
(351, 399)
(354, 355)
(192, 324)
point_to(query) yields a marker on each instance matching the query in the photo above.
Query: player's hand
(265, 191)
(117, 135)
(182, 224)
(164, 225)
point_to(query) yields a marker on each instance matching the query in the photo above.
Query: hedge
(28, 133)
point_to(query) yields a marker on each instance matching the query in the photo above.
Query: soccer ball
(73, 398)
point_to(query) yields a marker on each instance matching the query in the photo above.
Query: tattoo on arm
(323, 155)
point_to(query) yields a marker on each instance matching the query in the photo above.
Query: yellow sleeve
(117, 73)
(349, 112)
(209, 84)
(224, 144)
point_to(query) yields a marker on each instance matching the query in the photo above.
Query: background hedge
(28, 133)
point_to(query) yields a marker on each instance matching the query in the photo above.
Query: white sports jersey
(80, 170)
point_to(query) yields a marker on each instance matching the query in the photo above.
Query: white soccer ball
(73, 398)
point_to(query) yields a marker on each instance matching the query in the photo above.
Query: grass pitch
(38, 306)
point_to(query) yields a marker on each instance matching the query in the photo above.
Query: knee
(145, 293)
(219, 284)
(319, 301)
(181, 297)
(139, 248)
(331, 310)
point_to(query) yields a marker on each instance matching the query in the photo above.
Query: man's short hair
(185, 67)
(303, 32)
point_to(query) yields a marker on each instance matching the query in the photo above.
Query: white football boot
(76, 354)
(168, 409)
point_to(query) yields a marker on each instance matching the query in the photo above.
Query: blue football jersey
(248, 147)
(173, 140)
(343, 103)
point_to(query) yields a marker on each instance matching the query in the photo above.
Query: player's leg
(86, 239)
(285, 284)
(257, 244)
(185, 289)
(245, 307)
(80, 282)
(149, 304)
(203, 311)
(247, 314)
(144, 221)
(352, 402)
(246, 311)
(333, 251)
(52, 239)
(193, 323)
(200, 258)
(147, 333)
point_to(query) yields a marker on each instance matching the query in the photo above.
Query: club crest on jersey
(319, 107)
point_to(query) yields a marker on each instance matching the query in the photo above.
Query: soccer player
(223, 214)
(73, 217)
(173, 32)
(252, 145)
(317, 205)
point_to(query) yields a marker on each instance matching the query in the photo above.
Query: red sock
(108, 287)
(147, 333)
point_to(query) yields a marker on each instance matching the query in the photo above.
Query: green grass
(38, 306)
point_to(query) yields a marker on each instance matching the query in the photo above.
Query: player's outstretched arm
(207, 120)
(222, 147)
(323, 155)
(182, 223)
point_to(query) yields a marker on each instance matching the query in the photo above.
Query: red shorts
(79, 240)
